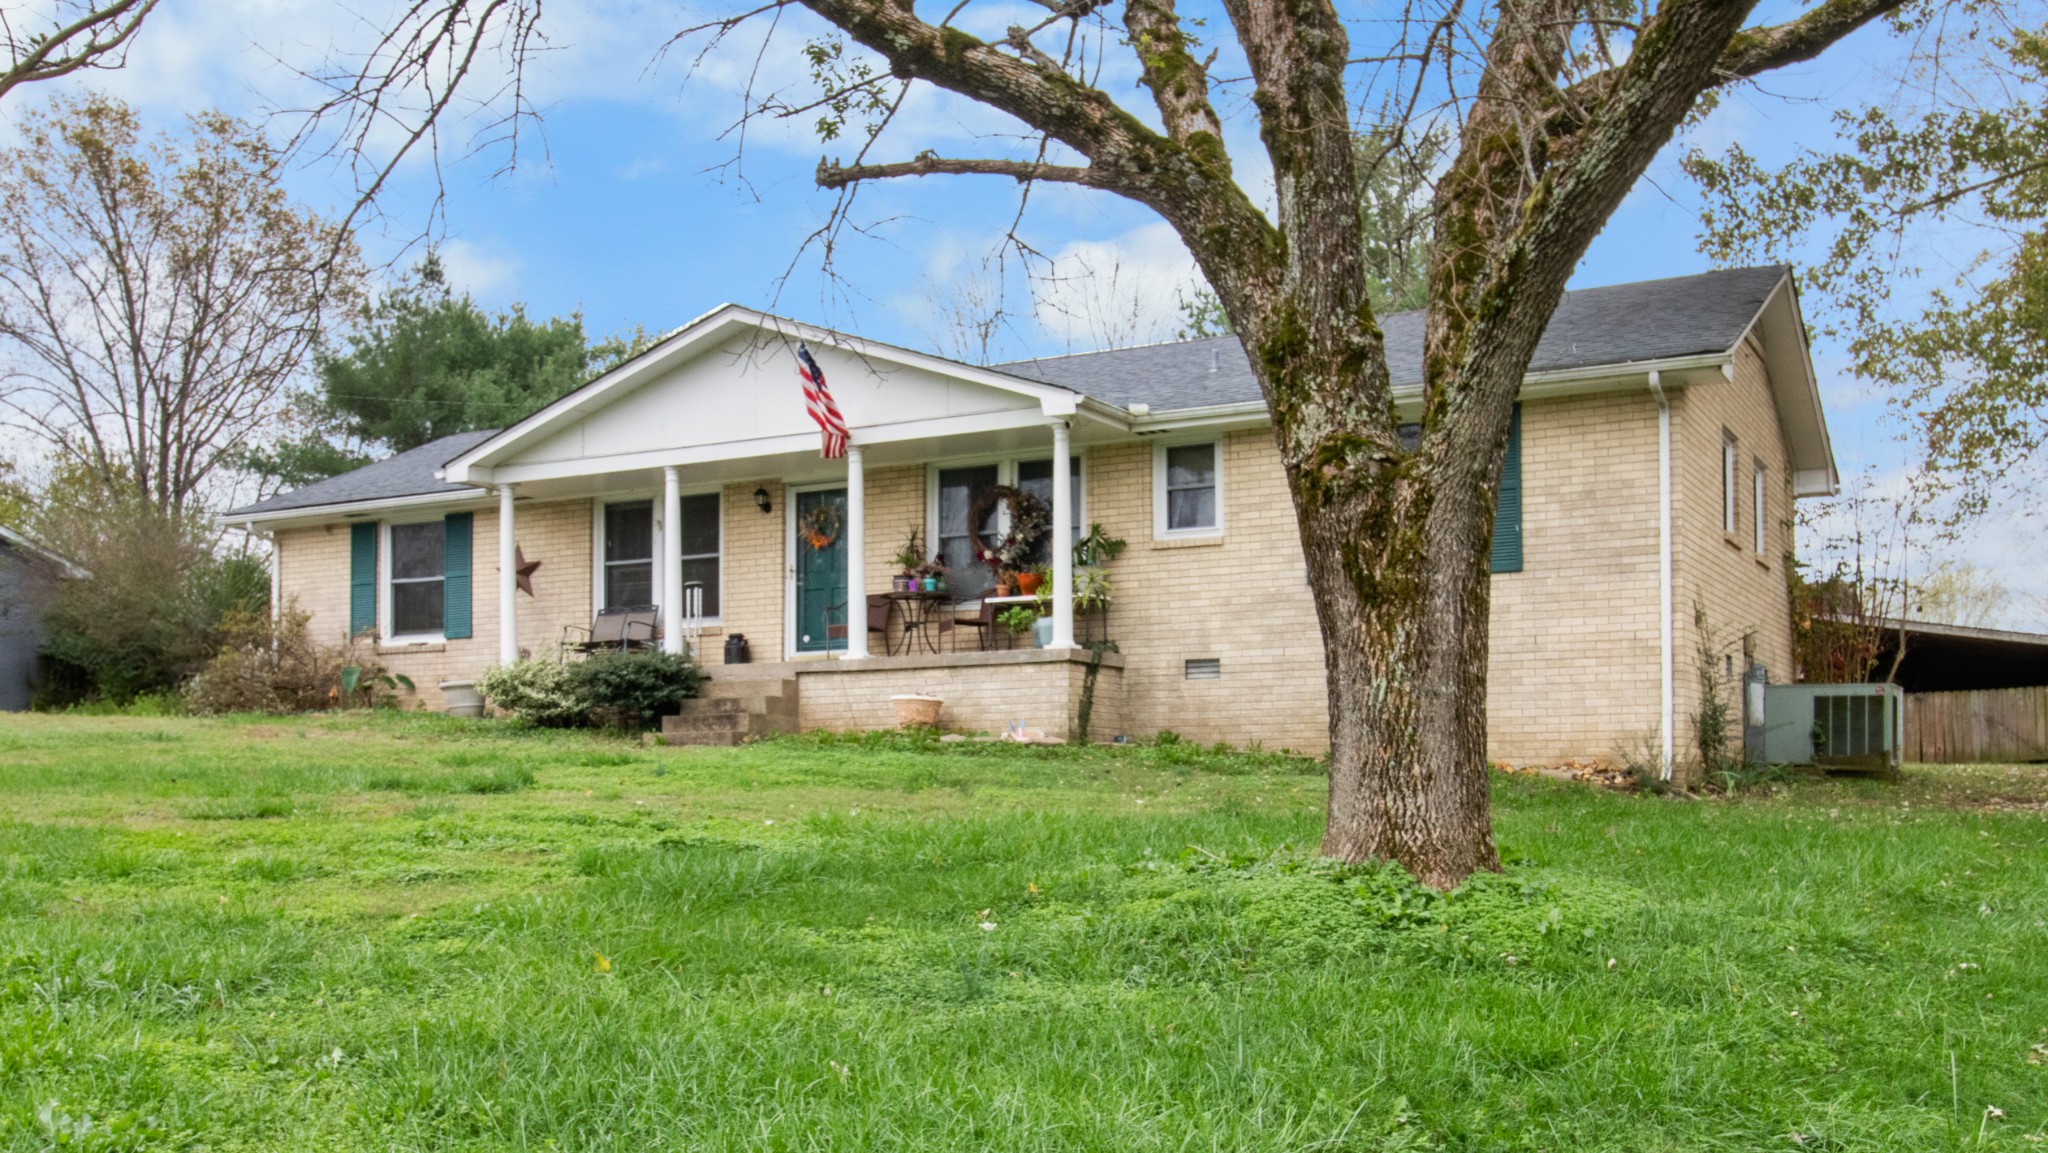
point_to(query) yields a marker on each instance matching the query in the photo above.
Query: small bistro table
(921, 611)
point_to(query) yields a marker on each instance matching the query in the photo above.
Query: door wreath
(820, 527)
(1028, 521)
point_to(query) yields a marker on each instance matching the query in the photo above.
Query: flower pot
(460, 699)
(1028, 582)
(916, 711)
(1041, 632)
(1004, 587)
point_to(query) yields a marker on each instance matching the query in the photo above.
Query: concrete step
(767, 704)
(736, 711)
(703, 740)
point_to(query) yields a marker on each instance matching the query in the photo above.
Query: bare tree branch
(97, 37)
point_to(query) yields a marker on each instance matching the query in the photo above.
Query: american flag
(819, 400)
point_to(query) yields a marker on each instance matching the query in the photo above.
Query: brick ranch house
(1665, 429)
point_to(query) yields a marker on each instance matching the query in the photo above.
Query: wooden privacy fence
(1986, 725)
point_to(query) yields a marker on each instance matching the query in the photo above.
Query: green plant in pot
(1018, 619)
(909, 557)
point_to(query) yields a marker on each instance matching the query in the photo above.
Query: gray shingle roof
(410, 473)
(1618, 324)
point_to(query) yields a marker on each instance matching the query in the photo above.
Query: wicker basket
(916, 711)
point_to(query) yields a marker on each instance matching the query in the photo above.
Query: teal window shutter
(1507, 511)
(362, 578)
(455, 584)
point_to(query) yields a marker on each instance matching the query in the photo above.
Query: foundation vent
(1203, 669)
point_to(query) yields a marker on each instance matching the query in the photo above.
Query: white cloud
(479, 272)
(1122, 291)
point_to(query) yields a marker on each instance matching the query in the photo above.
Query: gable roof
(1639, 324)
(410, 473)
(1619, 324)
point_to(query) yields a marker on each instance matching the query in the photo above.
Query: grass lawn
(404, 932)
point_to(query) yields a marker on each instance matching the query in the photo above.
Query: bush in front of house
(635, 690)
(537, 691)
(273, 665)
(606, 690)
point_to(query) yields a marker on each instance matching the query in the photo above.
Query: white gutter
(1666, 655)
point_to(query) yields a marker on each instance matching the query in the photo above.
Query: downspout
(1665, 642)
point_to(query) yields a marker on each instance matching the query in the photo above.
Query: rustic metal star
(523, 570)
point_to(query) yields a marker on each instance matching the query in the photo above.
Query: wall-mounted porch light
(761, 501)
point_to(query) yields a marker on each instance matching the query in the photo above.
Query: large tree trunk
(1404, 614)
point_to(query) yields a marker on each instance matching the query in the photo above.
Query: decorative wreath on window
(820, 527)
(1029, 519)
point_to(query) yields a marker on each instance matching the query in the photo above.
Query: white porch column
(1062, 538)
(508, 580)
(671, 562)
(856, 554)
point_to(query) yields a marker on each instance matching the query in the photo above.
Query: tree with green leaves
(424, 362)
(1929, 216)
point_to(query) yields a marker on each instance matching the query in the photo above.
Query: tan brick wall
(1041, 691)
(1575, 647)
(1242, 598)
(1742, 591)
(753, 572)
(1573, 671)
(314, 563)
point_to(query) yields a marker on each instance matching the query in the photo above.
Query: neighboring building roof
(32, 547)
(1957, 658)
(410, 473)
(1620, 324)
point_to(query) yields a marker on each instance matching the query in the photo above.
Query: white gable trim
(482, 464)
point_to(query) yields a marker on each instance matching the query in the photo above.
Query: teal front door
(821, 607)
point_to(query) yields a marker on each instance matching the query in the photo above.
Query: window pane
(629, 531)
(704, 569)
(700, 525)
(958, 490)
(415, 606)
(1035, 477)
(1191, 508)
(416, 552)
(629, 585)
(1191, 466)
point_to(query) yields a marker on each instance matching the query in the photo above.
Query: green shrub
(635, 690)
(536, 691)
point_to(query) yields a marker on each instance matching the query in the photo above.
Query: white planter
(916, 710)
(1041, 632)
(460, 699)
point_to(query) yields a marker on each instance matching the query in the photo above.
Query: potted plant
(1098, 548)
(1019, 619)
(931, 576)
(1029, 581)
(1006, 583)
(908, 560)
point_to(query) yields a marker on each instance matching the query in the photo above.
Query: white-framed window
(626, 555)
(415, 580)
(1731, 456)
(632, 545)
(955, 487)
(1187, 489)
(1756, 503)
(701, 548)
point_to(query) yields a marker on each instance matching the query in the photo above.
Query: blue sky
(634, 214)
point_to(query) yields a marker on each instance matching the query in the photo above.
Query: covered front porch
(713, 509)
